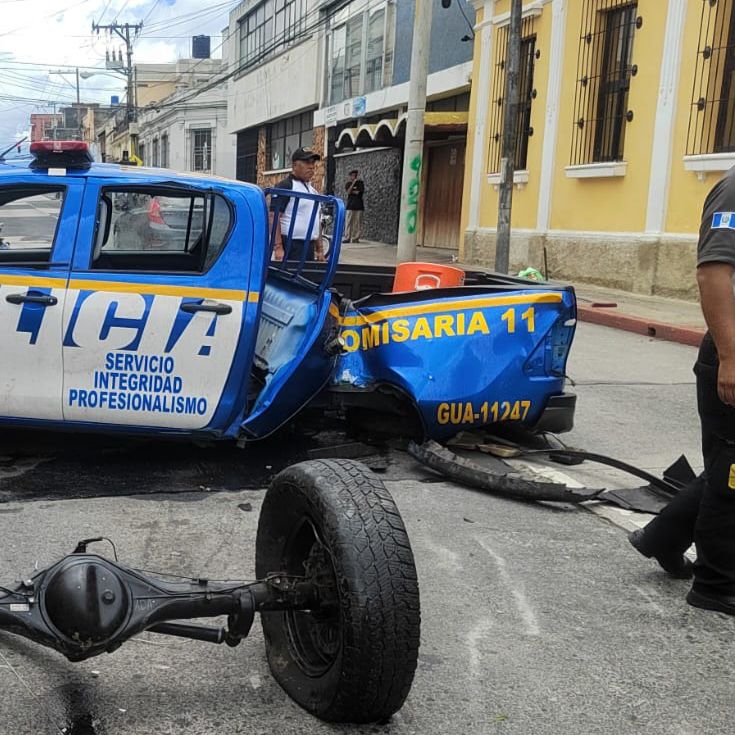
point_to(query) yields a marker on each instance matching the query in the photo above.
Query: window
(338, 40)
(246, 168)
(28, 221)
(141, 153)
(269, 28)
(285, 136)
(353, 57)
(159, 229)
(455, 103)
(202, 150)
(604, 71)
(374, 51)
(525, 92)
(154, 152)
(712, 116)
(164, 150)
(356, 54)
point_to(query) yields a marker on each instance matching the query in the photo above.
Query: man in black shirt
(355, 207)
(705, 511)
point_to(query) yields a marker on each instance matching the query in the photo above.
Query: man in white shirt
(303, 163)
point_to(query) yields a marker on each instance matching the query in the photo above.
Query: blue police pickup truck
(144, 300)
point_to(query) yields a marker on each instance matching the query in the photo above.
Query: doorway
(442, 205)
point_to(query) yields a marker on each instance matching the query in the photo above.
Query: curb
(691, 336)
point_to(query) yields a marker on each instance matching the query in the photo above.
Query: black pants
(704, 512)
(297, 249)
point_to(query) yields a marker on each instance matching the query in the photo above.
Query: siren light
(69, 154)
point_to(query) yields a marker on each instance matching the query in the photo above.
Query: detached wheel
(354, 658)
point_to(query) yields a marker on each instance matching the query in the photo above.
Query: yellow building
(628, 119)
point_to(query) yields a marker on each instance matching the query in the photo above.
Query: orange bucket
(422, 276)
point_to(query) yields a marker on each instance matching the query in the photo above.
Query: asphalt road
(537, 620)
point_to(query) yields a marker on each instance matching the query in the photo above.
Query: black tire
(353, 661)
(326, 245)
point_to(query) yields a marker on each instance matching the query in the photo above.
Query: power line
(142, 35)
(461, 10)
(194, 15)
(47, 17)
(48, 65)
(117, 15)
(71, 68)
(104, 11)
(150, 12)
(276, 43)
(231, 69)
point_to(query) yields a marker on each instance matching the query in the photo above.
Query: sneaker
(676, 565)
(718, 603)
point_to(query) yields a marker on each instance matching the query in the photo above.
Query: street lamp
(111, 72)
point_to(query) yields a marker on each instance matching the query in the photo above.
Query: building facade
(43, 125)
(276, 48)
(334, 76)
(173, 124)
(627, 120)
(188, 133)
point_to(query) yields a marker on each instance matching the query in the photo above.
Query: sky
(42, 36)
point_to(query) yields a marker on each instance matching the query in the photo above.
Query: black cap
(305, 154)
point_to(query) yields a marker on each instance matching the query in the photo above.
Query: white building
(187, 129)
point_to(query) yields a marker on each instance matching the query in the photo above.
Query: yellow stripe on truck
(157, 289)
(160, 289)
(447, 306)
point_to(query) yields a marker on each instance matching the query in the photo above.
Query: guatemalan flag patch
(723, 221)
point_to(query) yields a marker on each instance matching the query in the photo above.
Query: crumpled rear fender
(466, 360)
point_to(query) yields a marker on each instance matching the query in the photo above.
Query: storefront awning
(388, 130)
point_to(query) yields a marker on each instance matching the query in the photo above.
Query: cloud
(48, 34)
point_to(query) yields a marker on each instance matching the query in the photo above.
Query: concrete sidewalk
(654, 316)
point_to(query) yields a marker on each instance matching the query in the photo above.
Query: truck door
(38, 224)
(161, 314)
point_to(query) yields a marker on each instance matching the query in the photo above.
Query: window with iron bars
(164, 150)
(526, 95)
(202, 149)
(712, 115)
(604, 71)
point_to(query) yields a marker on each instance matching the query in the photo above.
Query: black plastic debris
(494, 474)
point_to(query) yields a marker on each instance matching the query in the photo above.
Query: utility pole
(124, 31)
(79, 104)
(413, 150)
(510, 138)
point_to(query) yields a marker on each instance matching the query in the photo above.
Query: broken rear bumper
(558, 416)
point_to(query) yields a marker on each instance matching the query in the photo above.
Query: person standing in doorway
(355, 207)
(306, 230)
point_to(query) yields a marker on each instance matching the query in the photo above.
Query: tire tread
(380, 593)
